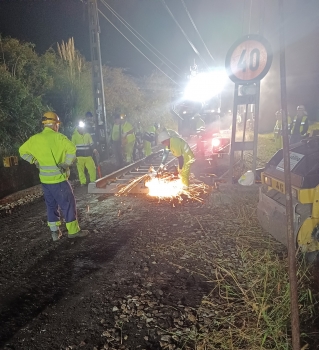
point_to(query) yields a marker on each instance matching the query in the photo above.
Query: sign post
(289, 160)
(247, 62)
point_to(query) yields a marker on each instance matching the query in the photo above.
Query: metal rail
(111, 182)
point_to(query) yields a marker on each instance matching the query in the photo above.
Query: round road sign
(249, 59)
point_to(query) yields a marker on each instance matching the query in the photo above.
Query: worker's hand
(160, 168)
(63, 166)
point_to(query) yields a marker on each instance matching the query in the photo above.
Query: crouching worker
(84, 152)
(53, 153)
(181, 150)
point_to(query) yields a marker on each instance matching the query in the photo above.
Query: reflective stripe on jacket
(49, 148)
(179, 147)
(303, 125)
(149, 134)
(83, 144)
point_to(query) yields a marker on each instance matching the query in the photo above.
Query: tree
(20, 113)
(158, 92)
(71, 92)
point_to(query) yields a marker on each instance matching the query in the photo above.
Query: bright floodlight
(204, 86)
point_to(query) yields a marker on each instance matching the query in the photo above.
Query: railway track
(111, 183)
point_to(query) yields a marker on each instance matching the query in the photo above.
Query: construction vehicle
(271, 210)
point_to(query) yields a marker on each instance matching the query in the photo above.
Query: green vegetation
(246, 272)
(61, 81)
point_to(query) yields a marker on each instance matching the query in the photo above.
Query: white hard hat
(247, 179)
(162, 136)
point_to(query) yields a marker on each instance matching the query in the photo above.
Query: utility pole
(97, 77)
(295, 328)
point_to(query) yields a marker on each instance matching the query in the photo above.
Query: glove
(64, 166)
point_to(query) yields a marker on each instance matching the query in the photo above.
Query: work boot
(56, 235)
(81, 233)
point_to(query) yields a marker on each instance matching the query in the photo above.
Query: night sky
(220, 23)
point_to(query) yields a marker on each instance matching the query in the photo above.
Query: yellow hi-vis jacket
(179, 147)
(49, 148)
(303, 125)
(83, 143)
(116, 130)
(126, 127)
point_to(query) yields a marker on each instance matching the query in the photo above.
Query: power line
(137, 48)
(194, 25)
(138, 36)
(190, 43)
(122, 19)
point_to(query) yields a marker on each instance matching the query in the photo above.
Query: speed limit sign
(249, 59)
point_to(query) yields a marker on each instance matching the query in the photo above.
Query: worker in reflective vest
(278, 129)
(181, 150)
(53, 153)
(84, 152)
(299, 125)
(117, 140)
(148, 138)
(128, 139)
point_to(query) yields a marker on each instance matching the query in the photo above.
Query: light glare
(204, 86)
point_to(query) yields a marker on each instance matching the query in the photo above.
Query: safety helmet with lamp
(81, 124)
(301, 108)
(157, 125)
(50, 118)
(122, 116)
(163, 136)
(279, 112)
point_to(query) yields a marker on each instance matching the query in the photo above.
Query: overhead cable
(137, 47)
(140, 37)
(190, 43)
(194, 25)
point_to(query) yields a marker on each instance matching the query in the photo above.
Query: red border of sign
(267, 46)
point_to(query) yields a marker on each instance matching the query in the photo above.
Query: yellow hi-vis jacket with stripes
(49, 148)
(83, 143)
(303, 125)
(179, 147)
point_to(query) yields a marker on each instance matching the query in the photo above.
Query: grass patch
(249, 303)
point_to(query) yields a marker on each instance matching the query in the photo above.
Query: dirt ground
(119, 288)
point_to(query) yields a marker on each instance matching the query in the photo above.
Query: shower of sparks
(167, 187)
